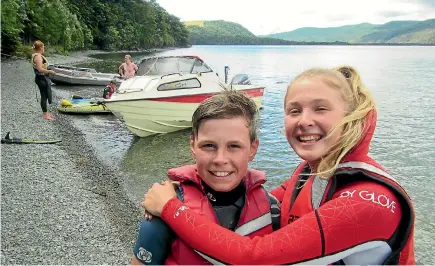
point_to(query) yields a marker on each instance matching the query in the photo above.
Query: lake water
(402, 80)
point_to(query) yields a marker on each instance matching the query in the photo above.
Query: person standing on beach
(127, 69)
(40, 67)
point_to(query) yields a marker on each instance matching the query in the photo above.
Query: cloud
(338, 17)
(430, 3)
(271, 16)
(393, 14)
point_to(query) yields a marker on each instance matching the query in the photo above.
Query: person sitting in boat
(127, 69)
(219, 186)
(109, 90)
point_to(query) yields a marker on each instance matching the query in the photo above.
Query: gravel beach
(59, 205)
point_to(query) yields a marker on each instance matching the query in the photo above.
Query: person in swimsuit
(40, 68)
(127, 69)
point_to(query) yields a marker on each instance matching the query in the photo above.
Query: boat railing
(122, 91)
(176, 73)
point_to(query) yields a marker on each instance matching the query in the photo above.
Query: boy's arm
(153, 242)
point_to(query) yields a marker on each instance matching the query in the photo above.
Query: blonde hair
(37, 45)
(227, 104)
(128, 56)
(360, 103)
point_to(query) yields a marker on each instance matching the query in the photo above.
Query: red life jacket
(254, 221)
(356, 166)
(108, 91)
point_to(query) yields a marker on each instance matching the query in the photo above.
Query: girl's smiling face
(312, 109)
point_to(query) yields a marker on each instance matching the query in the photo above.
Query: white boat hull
(149, 117)
(164, 98)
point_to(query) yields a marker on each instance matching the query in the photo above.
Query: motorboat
(81, 76)
(163, 95)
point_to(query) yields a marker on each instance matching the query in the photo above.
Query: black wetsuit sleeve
(153, 242)
(155, 238)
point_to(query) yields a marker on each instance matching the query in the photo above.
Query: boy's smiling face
(222, 150)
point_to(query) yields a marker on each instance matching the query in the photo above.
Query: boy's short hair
(113, 81)
(228, 104)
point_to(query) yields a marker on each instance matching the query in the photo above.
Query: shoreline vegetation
(66, 26)
(83, 56)
(50, 52)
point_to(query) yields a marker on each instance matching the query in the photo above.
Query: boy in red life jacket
(219, 187)
(109, 89)
(339, 207)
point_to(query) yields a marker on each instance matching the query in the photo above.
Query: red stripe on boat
(197, 98)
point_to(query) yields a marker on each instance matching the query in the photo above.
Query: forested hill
(394, 32)
(410, 31)
(89, 24)
(224, 32)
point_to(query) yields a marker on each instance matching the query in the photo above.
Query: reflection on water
(401, 79)
(148, 160)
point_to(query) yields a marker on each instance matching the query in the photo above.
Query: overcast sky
(272, 16)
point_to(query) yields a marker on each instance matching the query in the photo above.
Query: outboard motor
(241, 79)
(226, 69)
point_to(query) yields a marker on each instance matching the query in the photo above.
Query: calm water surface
(402, 80)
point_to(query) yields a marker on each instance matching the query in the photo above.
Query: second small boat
(81, 76)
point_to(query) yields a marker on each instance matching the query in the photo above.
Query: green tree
(11, 26)
(100, 24)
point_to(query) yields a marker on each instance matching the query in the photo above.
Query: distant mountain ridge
(394, 32)
(224, 32)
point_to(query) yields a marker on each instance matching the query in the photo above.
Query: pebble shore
(59, 205)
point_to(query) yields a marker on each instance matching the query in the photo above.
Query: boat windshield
(171, 65)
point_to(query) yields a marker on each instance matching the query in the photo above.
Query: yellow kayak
(82, 106)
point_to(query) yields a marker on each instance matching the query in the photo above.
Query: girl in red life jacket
(109, 89)
(339, 206)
